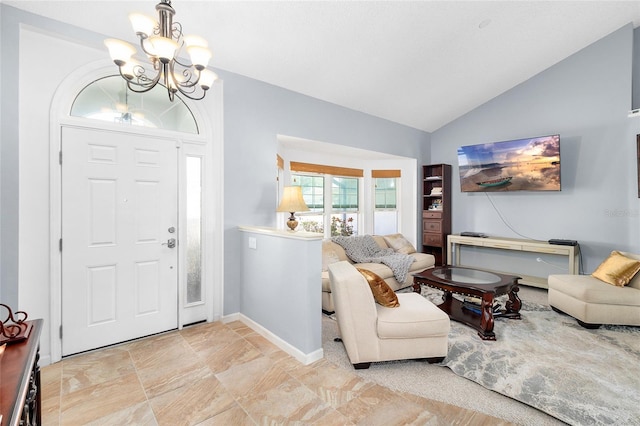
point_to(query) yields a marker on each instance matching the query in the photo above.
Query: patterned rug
(546, 360)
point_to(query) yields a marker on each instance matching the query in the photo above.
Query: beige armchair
(417, 329)
(593, 302)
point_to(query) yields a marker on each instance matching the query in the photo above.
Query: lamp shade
(207, 78)
(142, 24)
(119, 50)
(292, 200)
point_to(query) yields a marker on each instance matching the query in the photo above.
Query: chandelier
(162, 41)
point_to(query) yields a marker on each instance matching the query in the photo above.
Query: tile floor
(224, 374)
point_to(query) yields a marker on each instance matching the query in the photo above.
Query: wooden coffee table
(475, 283)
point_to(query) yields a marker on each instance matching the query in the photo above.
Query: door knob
(171, 243)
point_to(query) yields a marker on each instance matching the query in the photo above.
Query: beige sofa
(416, 329)
(593, 302)
(332, 253)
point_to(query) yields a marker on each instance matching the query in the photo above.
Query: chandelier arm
(175, 59)
(188, 73)
(134, 87)
(188, 95)
(142, 82)
(165, 68)
(150, 55)
(176, 30)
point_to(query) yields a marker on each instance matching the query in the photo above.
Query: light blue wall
(281, 274)
(585, 99)
(254, 114)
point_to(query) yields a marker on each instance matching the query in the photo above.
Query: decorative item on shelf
(292, 201)
(436, 205)
(162, 41)
(436, 190)
(14, 327)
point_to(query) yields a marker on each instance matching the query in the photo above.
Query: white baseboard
(305, 359)
(226, 319)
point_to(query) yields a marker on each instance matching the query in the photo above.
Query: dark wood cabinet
(20, 385)
(436, 210)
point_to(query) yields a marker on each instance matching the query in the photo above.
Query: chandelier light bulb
(120, 51)
(127, 69)
(162, 41)
(207, 77)
(143, 24)
(199, 56)
(164, 48)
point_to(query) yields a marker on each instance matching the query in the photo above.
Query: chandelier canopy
(162, 41)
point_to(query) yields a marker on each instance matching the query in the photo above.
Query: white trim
(305, 359)
(208, 115)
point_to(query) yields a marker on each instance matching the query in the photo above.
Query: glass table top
(465, 275)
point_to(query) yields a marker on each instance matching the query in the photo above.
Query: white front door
(119, 215)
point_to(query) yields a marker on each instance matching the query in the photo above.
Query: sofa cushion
(416, 317)
(379, 269)
(422, 261)
(329, 256)
(399, 243)
(591, 290)
(617, 269)
(382, 293)
(379, 239)
(635, 281)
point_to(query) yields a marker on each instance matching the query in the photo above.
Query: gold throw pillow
(380, 289)
(617, 269)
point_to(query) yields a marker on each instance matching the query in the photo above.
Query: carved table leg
(486, 318)
(416, 287)
(513, 305)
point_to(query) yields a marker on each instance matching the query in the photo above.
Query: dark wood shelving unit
(436, 210)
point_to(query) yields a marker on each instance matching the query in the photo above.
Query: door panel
(119, 275)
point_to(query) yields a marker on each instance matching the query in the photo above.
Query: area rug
(546, 360)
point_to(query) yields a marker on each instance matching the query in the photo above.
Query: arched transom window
(108, 99)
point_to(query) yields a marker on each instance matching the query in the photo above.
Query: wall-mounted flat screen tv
(519, 165)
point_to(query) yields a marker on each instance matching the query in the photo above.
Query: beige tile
(93, 368)
(240, 328)
(190, 405)
(213, 340)
(96, 401)
(202, 332)
(381, 406)
(255, 376)
(235, 353)
(50, 380)
(157, 381)
(262, 344)
(190, 377)
(290, 402)
(51, 383)
(298, 369)
(157, 351)
(235, 416)
(333, 418)
(333, 385)
(50, 411)
(139, 415)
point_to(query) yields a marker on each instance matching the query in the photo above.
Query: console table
(20, 380)
(454, 242)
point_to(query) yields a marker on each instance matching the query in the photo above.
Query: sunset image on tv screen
(518, 165)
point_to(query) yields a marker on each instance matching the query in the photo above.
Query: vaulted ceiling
(418, 63)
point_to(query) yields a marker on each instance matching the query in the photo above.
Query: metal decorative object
(162, 41)
(14, 326)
